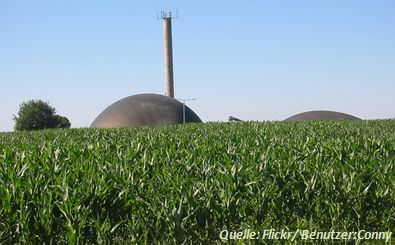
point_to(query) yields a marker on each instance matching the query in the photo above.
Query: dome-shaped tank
(321, 115)
(144, 109)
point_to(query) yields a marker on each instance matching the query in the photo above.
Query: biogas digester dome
(150, 109)
(321, 115)
(144, 109)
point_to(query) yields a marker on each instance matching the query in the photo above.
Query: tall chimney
(168, 46)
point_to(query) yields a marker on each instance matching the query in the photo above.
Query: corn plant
(186, 183)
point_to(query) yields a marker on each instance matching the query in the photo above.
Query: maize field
(187, 183)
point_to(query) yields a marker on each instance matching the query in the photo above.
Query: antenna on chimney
(168, 48)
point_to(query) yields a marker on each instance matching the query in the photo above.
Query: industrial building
(150, 109)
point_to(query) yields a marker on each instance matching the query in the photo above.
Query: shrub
(36, 115)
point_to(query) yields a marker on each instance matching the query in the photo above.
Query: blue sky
(256, 60)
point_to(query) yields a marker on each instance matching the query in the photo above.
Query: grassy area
(189, 182)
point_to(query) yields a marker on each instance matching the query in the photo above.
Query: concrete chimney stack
(168, 47)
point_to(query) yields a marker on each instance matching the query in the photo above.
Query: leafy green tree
(36, 115)
(62, 122)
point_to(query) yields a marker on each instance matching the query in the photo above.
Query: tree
(62, 122)
(36, 115)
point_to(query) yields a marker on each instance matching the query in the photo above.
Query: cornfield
(186, 183)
